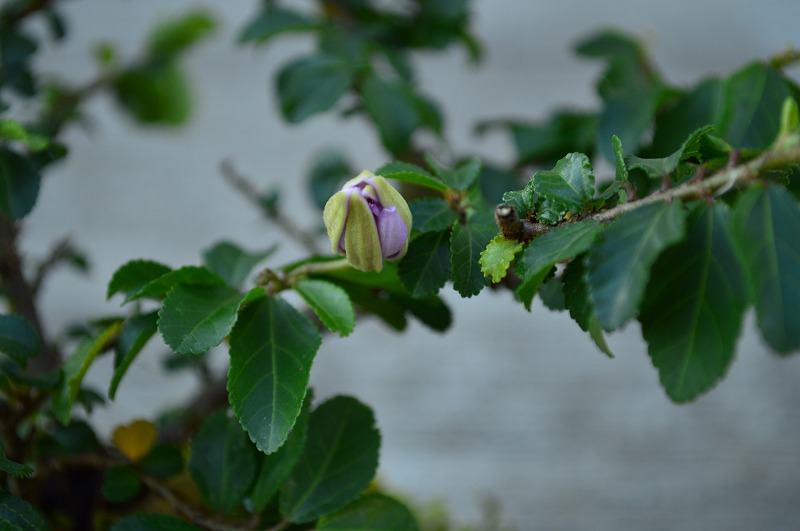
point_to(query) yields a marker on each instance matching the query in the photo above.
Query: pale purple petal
(392, 231)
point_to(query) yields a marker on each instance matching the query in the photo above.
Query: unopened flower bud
(367, 221)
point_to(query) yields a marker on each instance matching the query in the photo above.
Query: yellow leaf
(136, 439)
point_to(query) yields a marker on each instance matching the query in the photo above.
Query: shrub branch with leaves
(699, 222)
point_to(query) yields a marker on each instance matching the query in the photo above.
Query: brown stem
(21, 294)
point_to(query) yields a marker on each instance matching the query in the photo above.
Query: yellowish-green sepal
(362, 244)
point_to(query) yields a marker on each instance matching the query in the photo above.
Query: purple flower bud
(368, 221)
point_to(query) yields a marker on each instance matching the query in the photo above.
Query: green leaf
(222, 462)
(409, 173)
(767, 224)
(559, 245)
(75, 368)
(176, 35)
(274, 21)
(619, 263)
(160, 286)
(496, 258)
(751, 106)
(18, 470)
(275, 468)
(522, 200)
(630, 88)
(329, 171)
(131, 277)
(338, 462)
(689, 112)
(311, 85)
(163, 461)
(577, 301)
(693, 306)
(193, 319)
(18, 338)
(156, 93)
(369, 513)
(459, 178)
(272, 348)
(152, 522)
(551, 293)
(233, 263)
(13, 130)
(393, 109)
(546, 142)
(120, 484)
(18, 515)
(467, 242)
(135, 334)
(431, 311)
(665, 166)
(19, 185)
(426, 266)
(619, 160)
(570, 183)
(330, 303)
(431, 214)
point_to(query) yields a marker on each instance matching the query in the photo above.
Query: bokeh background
(512, 406)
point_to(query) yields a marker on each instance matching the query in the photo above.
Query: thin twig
(244, 185)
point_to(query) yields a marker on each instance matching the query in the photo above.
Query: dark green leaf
(136, 332)
(522, 200)
(619, 263)
(338, 462)
(18, 515)
(222, 462)
(751, 106)
(152, 522)
(546, 142)
(18, 338)
(19, 185)
(693, 306)
(272, 348)
(459, 178)
(431, 311)
(75, 368)
(431, 214)
(193, 319)
(393, 109)
(311, 85)
(403, 171)
(372, 512)
(690, 112)
(131, 277)
(372, 301)
(329, 171)
(163, 461)
(273, 21)
(576, 300)
(330, 303)
(18, 470)
(559, 245)
(569, 184)
(275, 468)
(174, 36)
(467, 242)
(426, 266)
(75, 439)
(120, 484)
(156, 93)
(160, 286)
(665, 166)
(552, 294)
(233, 263)
(767, 223)
(630, 88)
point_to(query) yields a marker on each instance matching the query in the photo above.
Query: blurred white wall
(509, 404)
